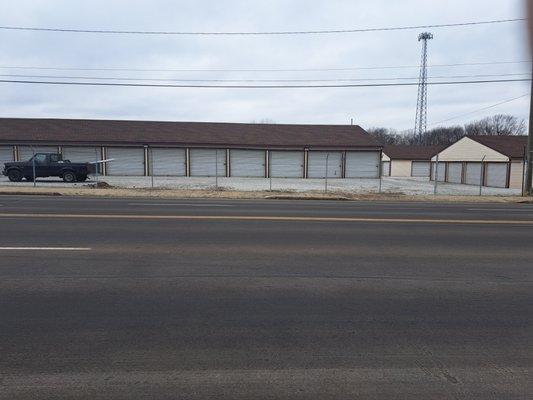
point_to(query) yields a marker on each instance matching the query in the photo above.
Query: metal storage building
(198, 149)
(408, 161)
(493, 161)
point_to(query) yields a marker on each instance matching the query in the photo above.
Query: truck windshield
(39, 158)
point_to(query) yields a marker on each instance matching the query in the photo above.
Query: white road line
(180, 204)
(500, 209)
(47, 248)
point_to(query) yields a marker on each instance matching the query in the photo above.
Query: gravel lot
(407, 186)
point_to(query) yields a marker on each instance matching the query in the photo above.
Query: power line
(262, 69)
(235, 33)
(257, 80)
(259, 86)
(481, 109)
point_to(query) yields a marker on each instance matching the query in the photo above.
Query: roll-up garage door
(26, 152)
(287, 164)
(6, 155)
(127, 161)
(455, 171)
(203, 162)
(362, 164)
(497, 175)
(442, 171)
(385, 168)
(81, 154)
(167, 162)
(317, 164)
(473, 173)
(420, 169)
(247, 163)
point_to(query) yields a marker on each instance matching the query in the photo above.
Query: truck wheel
(82, 178)
(69, 177)
(14, 175)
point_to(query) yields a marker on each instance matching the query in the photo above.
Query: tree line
(497, 125)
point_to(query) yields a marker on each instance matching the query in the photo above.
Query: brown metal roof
(510, 146)
(67, 131)
(412, 152)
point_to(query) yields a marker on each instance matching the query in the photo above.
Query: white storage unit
(286, 164)
(26, 152)
(247, 163)
(497, 175)
(317, 164)
(203, 163)
(385, 168)
(420, 169)
(167, 161)
(362, 164)
(455, 172)
(473, 173)
(127, 161)
(6, 155)
(81, 154)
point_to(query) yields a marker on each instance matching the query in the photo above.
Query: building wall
(517, 174)
(467, 149)
(401, 168)
(385, 157)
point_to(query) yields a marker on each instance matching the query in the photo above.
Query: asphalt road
(191, 299)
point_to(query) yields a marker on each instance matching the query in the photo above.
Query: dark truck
(45, 165)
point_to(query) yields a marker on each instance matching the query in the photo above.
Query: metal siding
(203, 162)
(497, 175)
(286, 164)
(247, 163)
(385, 168)
(317, 164)
(455, 171)
(6, 155)
(473, 173)
(81, 154)
(127, 161)
(442, 171)
(167, 162)
(362, 164)
(420, 169)
(26, 152)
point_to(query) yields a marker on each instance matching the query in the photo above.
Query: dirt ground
(227, 194)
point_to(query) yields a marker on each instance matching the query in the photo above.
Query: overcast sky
(389, 107)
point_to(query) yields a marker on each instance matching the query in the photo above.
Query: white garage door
(473, 173)
(442, 172)
(455, 171)
(420, 169)
(247, 163)
(385, 168)
(286, 164)
(317, 164)
(497, 175)
(168, 162)
(127, 161)
(81, 154)
(362, 164)
(6, 155)
(26, 152)
(203, 162)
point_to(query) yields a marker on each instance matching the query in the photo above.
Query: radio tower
(422, 103)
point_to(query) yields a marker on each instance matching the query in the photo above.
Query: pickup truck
(45, 165)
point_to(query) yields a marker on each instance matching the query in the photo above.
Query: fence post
(436, 177)
(151, 169)
(327, 168)
(269, 169)
(96, 165)
(481, 176)
(33, 167)
(216, 169)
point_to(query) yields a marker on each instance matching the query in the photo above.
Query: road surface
(213, 299)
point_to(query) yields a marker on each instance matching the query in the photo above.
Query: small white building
(408, 161)
(492, 161)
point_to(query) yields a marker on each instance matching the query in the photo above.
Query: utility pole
(422, 102)
(529, 155)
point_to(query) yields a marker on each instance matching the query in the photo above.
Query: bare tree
(385, 136)
(497, 125)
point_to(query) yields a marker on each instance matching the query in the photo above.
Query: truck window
(40, 158)
(54, 158)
